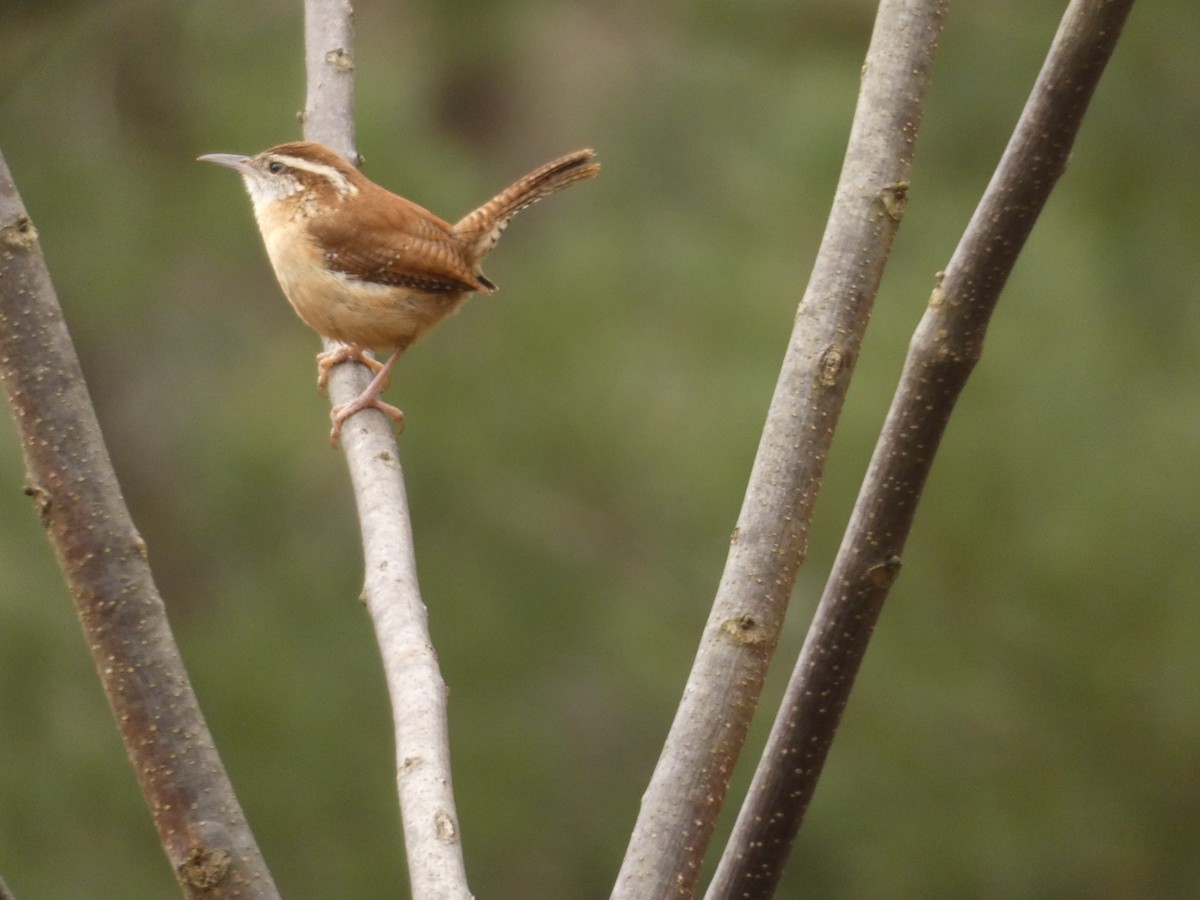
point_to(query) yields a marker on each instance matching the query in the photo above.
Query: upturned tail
(478, 231)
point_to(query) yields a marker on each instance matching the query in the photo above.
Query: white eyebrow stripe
(339, 181)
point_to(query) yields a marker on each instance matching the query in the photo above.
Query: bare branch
(689, 784)
(328, 115)
(103, 558)
(944, 350)
(415, 685)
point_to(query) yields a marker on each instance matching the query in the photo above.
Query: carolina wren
(367, 268)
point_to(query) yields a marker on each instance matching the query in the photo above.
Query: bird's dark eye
(275, 168)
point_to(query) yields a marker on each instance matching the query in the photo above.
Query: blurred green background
(1027, 722)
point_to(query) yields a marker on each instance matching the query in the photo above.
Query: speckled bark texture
(103, 558)
(685, 795)
(942, 354)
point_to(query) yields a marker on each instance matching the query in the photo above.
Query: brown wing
(392, 241)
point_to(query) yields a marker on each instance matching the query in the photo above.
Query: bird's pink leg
(327, 359)
(368, 399)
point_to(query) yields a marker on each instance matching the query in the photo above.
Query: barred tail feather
(478, 231)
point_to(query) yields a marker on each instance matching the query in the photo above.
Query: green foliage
(1025, 724)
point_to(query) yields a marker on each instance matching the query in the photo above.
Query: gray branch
(103, 559)
(942, 354)
(328, 115)
(690, 781)
(418, 693)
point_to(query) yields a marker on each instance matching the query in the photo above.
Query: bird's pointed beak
(231, 160)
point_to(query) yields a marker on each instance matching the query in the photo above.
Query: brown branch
(943, 351)
(103, 558)
(393, 598)
(689, 784)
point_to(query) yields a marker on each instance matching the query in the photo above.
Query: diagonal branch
(391, 592)
(689, 783)
(943, 351)
(103, 558)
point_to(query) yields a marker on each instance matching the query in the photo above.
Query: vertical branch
(942, 354)
(415, 686)
(328, 115)
(103, 558)
(687, 789)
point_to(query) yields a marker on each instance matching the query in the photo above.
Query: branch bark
(943, 352)
(687, 789)
(415, 686)
(103, 558)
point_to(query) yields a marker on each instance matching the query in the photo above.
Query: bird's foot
(327, 359)
(368, 399)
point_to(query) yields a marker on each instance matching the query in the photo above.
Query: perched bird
(367, 268)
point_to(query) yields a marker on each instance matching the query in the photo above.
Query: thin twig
(689, 784)
(393, 598)
(943, 351)
(103, 558)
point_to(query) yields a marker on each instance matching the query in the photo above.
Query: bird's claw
(327, 359)
(343, 411)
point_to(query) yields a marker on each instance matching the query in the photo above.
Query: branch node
(446, 827)
(745, 630)
(41, 500)
(204, 869)
(341, 60)
(20, 235)
(895, 200)
(410, 763)
(882, 574)
(831, 366)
